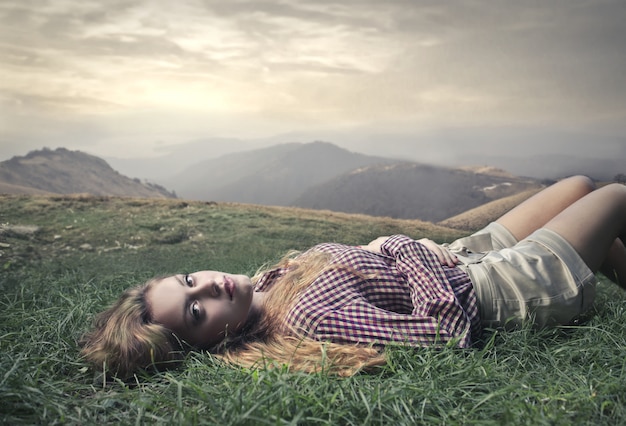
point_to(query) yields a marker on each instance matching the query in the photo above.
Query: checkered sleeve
(434, 302)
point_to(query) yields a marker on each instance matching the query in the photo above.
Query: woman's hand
(375, 244)
(445, 256)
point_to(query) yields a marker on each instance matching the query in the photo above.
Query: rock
(19, 230)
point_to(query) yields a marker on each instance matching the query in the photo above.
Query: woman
(335, 306)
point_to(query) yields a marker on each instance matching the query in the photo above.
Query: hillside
(411, 190)
(482, 215)
(65, 258)
(270, 176)
(167, 232)
(65, 172)
(7, 188)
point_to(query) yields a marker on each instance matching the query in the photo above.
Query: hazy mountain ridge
(66, 172)
(316, 175)
(538, 153)
(557, 166)
(412, 190)
(323, 176)
(273, 176)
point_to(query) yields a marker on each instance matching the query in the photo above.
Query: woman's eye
(195, 310)
(188, 280)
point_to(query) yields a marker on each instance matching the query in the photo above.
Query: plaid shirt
(403, 295)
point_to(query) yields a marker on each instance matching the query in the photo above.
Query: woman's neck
(256, 307)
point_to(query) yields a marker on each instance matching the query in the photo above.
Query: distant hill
(481, 216)
(554, 167)
(271, 176)
(7, 188)
(412, 190)
(62, 171)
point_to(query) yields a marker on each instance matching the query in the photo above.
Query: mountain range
(316, 175)
(320, 175)
(276, 175)
(539, 153)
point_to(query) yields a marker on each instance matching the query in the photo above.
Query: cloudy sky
(129, 78)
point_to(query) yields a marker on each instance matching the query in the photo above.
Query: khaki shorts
(540, 279)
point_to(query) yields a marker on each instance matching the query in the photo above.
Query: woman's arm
(420, 263)
(444, 255)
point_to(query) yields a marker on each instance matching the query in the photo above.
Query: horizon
(549, 166)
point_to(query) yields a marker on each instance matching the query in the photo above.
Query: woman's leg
(595, 226)
(614, 266)
(542, 207)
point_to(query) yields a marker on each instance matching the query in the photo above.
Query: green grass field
(63, 259)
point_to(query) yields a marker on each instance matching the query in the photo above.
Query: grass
(79, 253)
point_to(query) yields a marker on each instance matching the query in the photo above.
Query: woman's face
(201, 308)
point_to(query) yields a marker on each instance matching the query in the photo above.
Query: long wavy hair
(125, 340)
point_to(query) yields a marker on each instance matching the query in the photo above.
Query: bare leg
(538, 210)
(614, 266)
(542, 207)
(592, 226)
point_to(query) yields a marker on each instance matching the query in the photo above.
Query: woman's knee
(615, 192)
(581, 184)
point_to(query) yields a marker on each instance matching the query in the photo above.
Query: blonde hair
(124, 340)
(271, 343)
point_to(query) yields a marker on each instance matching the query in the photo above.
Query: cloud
(305, 65)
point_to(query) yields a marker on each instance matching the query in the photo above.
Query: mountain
(65, 172)
(320, 175)
(316, 175)
(412, 190)
(273, 176)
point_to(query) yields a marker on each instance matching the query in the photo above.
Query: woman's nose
(206, 288)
